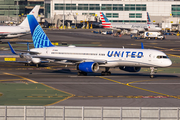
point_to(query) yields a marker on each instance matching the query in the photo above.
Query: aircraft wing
(26, 51)
(75, 60)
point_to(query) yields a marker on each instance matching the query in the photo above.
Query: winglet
(12, 50)
(142, 46)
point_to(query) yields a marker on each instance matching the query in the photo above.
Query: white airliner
(22, 29)
(134, 28)
(89, 59)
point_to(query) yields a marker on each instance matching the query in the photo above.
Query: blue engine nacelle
(88, 67)
(130, 69)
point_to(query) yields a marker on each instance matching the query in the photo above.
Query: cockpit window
(160, 57)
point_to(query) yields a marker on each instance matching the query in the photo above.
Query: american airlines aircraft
(89, 59)
(134, 28)
(22, 29)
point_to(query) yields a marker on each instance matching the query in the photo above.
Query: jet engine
(130, 69)
(134, 31)
(36, 60)
(88, 67)
(21, 55)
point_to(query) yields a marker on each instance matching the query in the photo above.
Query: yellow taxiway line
(134, 86)
(60, 91)
(144, 81)
(11, 80)
(22, 77)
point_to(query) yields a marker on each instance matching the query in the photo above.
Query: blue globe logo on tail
(40, 39)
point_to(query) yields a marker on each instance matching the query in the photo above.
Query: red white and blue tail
(148, 19)
(105, 21)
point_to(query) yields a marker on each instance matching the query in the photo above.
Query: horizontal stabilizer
(12, 50)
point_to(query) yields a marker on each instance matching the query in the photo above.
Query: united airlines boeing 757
(89, 59)
(22, 29)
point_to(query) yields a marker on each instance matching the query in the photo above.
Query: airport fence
(87, 113)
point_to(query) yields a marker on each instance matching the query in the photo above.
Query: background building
(116, 10)
(31, 3)
(12, 8)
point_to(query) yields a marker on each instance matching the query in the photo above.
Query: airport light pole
(63, 12)
(17, 12)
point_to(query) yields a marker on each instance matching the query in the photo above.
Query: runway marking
(173, 55)
(134, 86)
(44, 89)
(33, 89)
(60, 91)
(144, 81)
(122, 96)
(11, 80)
(22, 77)
(37, 99)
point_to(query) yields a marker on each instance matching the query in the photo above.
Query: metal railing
(83, 113)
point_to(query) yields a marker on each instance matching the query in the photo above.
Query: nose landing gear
(152, 72)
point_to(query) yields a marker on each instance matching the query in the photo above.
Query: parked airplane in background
(22, 29)
(134, 28)
(148, 19)
(89, 59)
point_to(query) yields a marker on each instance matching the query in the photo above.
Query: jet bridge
(77, 20)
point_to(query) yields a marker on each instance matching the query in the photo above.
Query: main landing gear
(106, 72)
(80, 73)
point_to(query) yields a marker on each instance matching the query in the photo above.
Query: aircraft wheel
(151, 76)
(82, 74)
(102, 73)
(108, 73)
(37, 65)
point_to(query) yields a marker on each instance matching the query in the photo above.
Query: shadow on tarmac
(69, 72)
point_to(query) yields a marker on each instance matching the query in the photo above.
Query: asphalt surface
(120, 89)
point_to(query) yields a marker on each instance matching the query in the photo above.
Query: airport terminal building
(117, 10)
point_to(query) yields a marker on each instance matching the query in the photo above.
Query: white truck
(153, 35)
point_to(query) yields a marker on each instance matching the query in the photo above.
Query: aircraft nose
(169, 63)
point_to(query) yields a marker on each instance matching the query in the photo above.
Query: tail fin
(148, 19)
(40, 39)
(142, 46)
(105, 22)
(34, 12)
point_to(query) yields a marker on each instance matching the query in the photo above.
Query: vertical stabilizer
(40, 39)
(105, 22)
(34, 12)
(148, 19)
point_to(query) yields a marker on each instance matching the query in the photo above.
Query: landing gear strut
(80, 73)
(152, 72)
(37, 65)
(106, 72)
